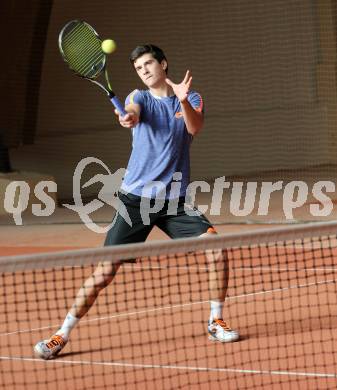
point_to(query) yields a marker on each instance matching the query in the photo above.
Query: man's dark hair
(157, 53)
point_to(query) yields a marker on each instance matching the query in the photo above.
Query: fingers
(189, 82)
(126, 123)
(181, 90)
(129, 120)
(120, 116)
(186, 76)
(126, 118)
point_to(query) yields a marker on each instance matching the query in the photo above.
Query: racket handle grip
(117, 103)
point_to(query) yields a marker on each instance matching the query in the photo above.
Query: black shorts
(180, 225)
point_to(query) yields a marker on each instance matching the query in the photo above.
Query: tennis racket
(80, 47)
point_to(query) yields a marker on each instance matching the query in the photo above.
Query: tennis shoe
(218, 330)
(49, 349)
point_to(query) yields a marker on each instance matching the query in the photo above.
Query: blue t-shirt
(160, 147)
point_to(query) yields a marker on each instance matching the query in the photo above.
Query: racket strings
(82, 50)
(84, 54)
(82, 42)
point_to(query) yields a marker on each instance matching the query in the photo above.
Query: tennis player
(164, 118)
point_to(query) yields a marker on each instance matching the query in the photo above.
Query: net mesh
(82, 50)
(149, 327)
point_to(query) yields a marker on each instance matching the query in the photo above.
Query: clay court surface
(148, 329)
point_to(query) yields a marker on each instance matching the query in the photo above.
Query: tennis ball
(108, 46)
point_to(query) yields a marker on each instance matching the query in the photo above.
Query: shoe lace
(55, 341)
(223, 324)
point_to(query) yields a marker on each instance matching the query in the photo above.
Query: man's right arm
(132, 107)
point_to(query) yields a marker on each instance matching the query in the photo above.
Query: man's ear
(164, 64)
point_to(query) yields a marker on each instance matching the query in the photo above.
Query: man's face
(150, 71)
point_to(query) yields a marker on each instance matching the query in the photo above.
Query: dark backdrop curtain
(23, 27)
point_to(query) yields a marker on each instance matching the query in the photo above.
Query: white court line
(288, 269)
(155, 309)
(174, 367)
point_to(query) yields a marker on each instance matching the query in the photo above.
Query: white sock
(69, 323)
(216, 310)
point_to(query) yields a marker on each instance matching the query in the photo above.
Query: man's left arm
(194, 118)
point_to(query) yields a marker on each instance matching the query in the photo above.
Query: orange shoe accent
(223, 324)
(55, 341)
(211, 230)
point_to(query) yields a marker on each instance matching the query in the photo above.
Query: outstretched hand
(181, 90)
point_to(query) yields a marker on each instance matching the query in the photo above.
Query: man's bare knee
(214, 255)
(217, 255)
(103, 275)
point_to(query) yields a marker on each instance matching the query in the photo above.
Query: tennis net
(148, 329)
